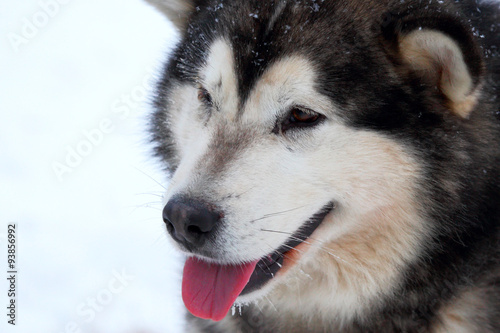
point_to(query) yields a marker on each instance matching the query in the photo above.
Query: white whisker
(321, 247)
(145, 174)
(271, 303)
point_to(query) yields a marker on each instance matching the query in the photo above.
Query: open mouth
(268, 266)
(209, 290)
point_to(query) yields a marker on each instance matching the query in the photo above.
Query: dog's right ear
(439, 49)
(177, 11)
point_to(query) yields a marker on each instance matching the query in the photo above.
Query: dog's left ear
(178, 11)
(442, 52)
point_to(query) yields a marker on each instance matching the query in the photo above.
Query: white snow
(92, 253)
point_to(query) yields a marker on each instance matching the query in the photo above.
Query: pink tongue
(209, 290)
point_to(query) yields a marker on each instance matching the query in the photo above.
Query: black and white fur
(409, 152)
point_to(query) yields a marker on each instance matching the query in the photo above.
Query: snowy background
(75, 172)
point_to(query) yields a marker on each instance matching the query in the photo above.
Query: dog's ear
(177, 11)
(442, 52)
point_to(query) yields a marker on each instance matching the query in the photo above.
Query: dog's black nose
(189, 221)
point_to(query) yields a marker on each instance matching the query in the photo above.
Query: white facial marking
(190, 137)
(288, 82)
(271, 184)
(219, 78)
(358, 252)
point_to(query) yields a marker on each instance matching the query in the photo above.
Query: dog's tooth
(275, 257)
(279, 261)
(267, 260)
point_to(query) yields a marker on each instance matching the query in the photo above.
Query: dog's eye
(204, 96)
(299, 118)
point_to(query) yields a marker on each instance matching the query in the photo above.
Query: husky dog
(335, 165)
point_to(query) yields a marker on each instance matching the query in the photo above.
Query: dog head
(296, 132)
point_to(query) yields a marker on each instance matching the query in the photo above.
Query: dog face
(303, 156)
